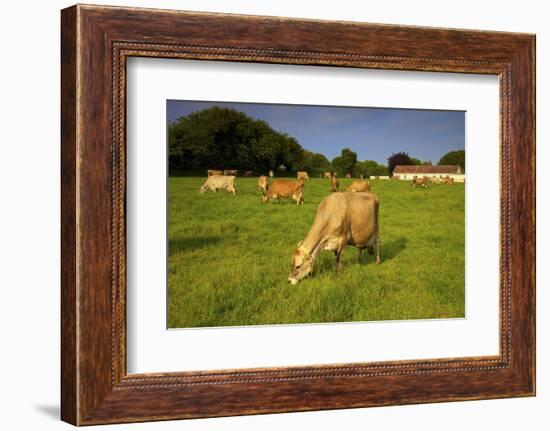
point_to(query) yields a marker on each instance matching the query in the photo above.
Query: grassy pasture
(229, 257)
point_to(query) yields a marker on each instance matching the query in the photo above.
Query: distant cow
(334, 183)
(271, 174)
(214, 172)
(342, 219)
(348, 175)
(359, 186)
(248, 173)
(302, 175)
(420, 182)
(262, 184)
(327, 175)
(436, 180)
(219, 182)
(278, 189)
(228, 172)
(447, 180)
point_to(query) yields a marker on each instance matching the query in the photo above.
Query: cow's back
(352, 215)
(359, 186)
(283, 187)
(221, 180)
(215, 180)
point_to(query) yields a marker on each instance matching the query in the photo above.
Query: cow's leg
(339, 253)
(338, 265)
(377, 246)
(359, 255)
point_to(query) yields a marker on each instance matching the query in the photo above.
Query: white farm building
(408, 172)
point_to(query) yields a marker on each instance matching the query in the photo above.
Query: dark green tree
(367, 168)
(345, 162)
(370, 167)
(454, 158)
(320, 163)
(313, 163)
(360, 169)
(380, 170)
(222, 138)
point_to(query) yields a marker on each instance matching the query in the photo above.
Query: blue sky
(373, 133)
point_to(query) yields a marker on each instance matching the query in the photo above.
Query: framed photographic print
(265, 215)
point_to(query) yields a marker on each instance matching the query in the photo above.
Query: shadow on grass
(177, 245)
(390, 249)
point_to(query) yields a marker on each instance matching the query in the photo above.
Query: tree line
(224, 138)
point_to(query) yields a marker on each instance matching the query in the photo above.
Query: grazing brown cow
(334, 183)
(302, 175)
(420, 182)
(448, 180)
(327, 175)
(342, 219)
(214, 172)
(233, 172)
(262, 184)
(278, 189)
(359, 186)
(248, 173)
(219, 182)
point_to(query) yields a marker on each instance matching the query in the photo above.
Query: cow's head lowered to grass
(302, 264)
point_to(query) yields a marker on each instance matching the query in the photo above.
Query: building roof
(422, 169)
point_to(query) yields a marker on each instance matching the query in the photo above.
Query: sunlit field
(229, 258)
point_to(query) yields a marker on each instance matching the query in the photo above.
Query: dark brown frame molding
(95, 43)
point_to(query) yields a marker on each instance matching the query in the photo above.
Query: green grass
(229, 258)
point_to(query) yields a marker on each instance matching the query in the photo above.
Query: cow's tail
(377, 242)
(376, 206)
(376, 211)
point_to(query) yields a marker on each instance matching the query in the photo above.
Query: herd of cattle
(276, 189)
(342, 218)
(426, 182)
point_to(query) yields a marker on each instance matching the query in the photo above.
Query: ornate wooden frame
(95, 43)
